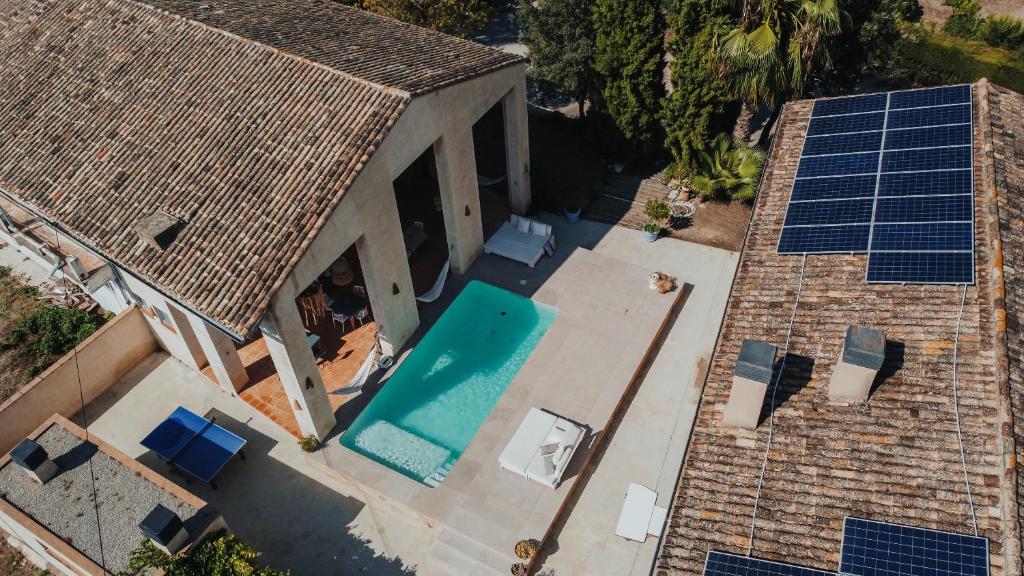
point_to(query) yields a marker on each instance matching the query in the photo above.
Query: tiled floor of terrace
(343, 353)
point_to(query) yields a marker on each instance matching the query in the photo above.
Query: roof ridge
(244, 39)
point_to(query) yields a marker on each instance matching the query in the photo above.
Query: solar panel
(957, 134)
(849, 105)
(724, 564)
(925, 183)
(838, 165)
(843, 143)
(826, 212)
(920, 117)
(931, 97)
(844, 124)
(880, 549)
(927, 159)
(889, 174)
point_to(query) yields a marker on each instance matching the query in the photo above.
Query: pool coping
(608, 328)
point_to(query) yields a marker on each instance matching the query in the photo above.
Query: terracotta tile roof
(111, 110)
(365, 45)
(1007, 114)
(894, 458)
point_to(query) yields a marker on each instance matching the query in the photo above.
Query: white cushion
(525, 443)
(523, 225)
(539, 228)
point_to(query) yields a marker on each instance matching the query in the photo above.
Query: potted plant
(519, 569)
(658, 211)
(309, 443)
(572, 206)
(526, 549)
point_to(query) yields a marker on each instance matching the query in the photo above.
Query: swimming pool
(431, 407)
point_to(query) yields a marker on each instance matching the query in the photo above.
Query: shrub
(221, 554)
(964, 22)
(1002, 32)
(729, 170)
(657, 210)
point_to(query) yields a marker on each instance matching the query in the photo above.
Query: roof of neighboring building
(896, 457)
(103, 528)
(112, 109)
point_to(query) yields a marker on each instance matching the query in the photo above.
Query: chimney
(749, 384)
(861, 358)
(165, 529)
(159, 229)
(34, 460)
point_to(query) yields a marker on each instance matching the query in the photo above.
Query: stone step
(465, 557)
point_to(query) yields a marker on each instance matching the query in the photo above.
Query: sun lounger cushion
(542, 447)
(515, 245)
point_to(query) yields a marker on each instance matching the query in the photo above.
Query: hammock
(357, 381)
(435, 292)
(482, 180)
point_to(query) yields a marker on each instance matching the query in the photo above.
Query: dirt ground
(718, 224)
(12, 563)
(936, 12)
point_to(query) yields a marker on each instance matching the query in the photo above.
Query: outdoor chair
(364, 314)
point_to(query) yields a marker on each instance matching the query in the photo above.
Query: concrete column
(221, 354)
(196, 356)
(386, 270)
(517, 147)
(296, 367)
(460, 196)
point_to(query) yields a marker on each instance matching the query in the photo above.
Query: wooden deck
(620, 200)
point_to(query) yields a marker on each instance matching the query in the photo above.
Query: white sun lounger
(639, 516)
(522, 239)
(542, 447)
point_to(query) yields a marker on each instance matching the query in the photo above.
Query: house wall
(103, 358)
(368, 215)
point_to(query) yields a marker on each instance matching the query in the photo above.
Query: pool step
(464, 556)
(435, 479)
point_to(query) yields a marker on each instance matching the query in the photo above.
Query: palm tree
(776, 46)
(729, 169)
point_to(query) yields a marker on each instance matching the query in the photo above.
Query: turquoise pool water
(431, 407)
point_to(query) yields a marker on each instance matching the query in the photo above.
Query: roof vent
(861, 359)
(165, 529)
(749, 384)
(159, 229)
(33, 458)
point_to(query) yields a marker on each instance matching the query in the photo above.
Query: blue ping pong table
(192, 444)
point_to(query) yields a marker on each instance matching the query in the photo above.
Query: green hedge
(938, 58)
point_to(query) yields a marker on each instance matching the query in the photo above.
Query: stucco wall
(102, 359)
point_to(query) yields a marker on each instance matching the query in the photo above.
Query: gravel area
(64, 505)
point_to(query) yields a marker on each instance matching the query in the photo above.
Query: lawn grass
(938, 58)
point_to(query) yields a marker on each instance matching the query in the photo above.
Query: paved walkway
(650, 442)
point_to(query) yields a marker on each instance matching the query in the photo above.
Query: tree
(628, 54)
(560, 37)
(777, 49)
(871, 43)
(221, 554)
(697, 107)
(456, 17)
(730, 169)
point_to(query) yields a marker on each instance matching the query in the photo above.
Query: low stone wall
(102, 359)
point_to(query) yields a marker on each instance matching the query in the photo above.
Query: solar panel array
(892, 175)
(880, 549)
(875, 549)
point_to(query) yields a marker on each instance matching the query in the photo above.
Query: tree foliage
(778, 47)
(729, 169)
(457, 17)
(219, 555)
(697, 108)
(1002, 32)
(628, 54)
(560, 37)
